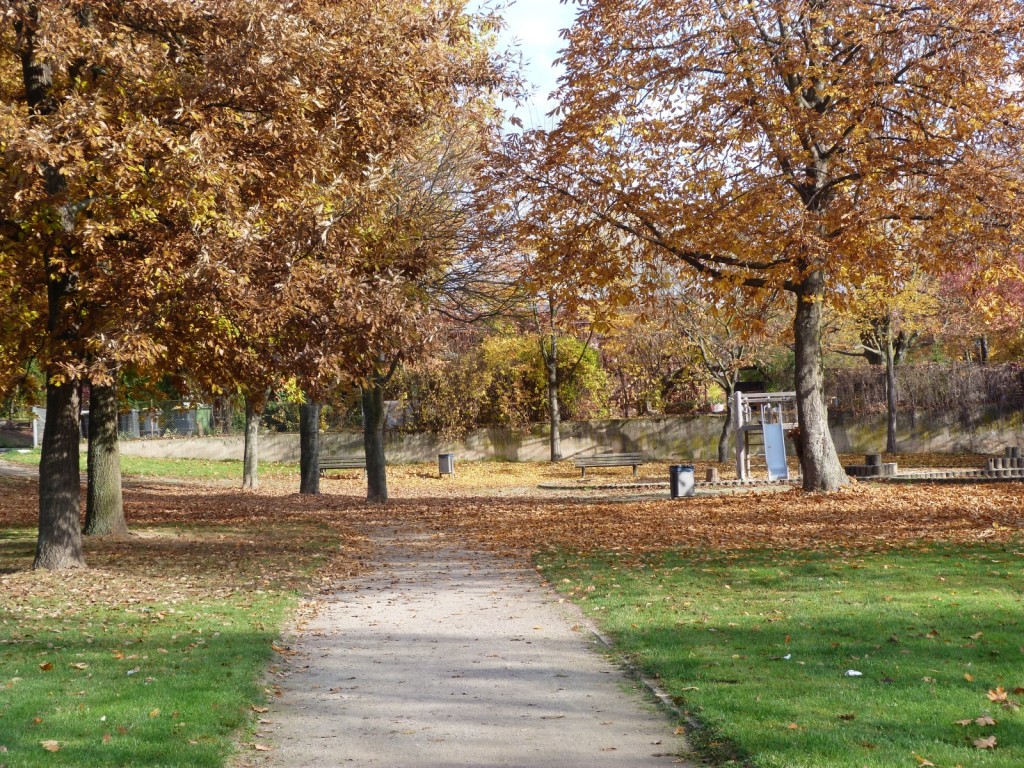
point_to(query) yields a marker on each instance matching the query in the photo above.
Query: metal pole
(741, 436)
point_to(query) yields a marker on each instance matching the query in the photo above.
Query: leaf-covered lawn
(864, 515)
(154, 655)
(895, 582)
(212, 564)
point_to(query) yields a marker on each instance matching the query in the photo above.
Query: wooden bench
(336, 462)
(633, 460)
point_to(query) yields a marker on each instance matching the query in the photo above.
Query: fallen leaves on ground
(488, 505)
(1002, 698)
(873, 516)
(187, 542)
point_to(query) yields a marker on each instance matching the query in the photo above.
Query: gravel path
(440, 658)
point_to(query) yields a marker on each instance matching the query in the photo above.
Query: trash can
(680, 480)
(446, 464)
(128, 423)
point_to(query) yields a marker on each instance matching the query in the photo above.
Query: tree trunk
(59, 545)
(104, 508)
(373, 441)
(554, 415)
(983, 349)
(819, 461)
(891, 396)
(250, 462)
(723, 439)
(309, 448)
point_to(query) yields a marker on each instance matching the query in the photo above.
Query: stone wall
(979, 430)
(675, 438)
(668, 438)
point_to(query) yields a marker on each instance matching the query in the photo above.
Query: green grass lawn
(155, 655)
(163, 684)
(177, 469)
(758, 645)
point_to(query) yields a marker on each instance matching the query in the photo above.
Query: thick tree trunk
(891, 397)
(59, 545)
(250, 461)
(554, 414)
(723, 439)
(309, 448)
(819, 461)
(373, 441)
(104, 508)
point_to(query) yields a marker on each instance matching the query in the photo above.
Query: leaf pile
(870, 516)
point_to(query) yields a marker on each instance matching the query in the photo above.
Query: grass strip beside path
(759, 644)
(155, 654)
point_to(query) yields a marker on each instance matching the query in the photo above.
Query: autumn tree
(158, 155)
(425, 256)
(550, 330)
(982, 306)
(727, 335)
(493, 375)
(790, 145)
(888, 318)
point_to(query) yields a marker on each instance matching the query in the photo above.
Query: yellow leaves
(923, 762)
(50, 745)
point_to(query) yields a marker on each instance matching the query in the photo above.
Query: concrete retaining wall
(977, 430)
(670, 438)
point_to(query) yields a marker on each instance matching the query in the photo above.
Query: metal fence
(948, 387)
(222, 416)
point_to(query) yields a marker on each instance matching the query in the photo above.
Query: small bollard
(446, 464)
(712, 476)
(680, 481)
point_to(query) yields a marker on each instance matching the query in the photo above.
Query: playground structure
(764, 416)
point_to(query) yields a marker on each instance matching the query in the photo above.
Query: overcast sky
(534, 25)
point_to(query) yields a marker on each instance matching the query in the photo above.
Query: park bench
(337, 462)
(633, 460)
